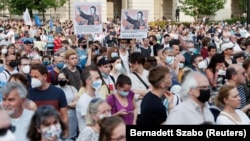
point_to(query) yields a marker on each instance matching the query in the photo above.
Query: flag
(51, 24)
(37, 20)
(26, 17)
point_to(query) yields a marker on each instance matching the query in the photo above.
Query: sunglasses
(3, 131)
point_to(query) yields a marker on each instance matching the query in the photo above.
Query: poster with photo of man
(87, 18)
(134, 23)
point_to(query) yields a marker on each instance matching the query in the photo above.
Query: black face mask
(84, 46)
(151, 43)
(12, 64)
(204, 95)
(62, 83)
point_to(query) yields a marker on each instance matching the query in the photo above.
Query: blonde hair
(70, 52)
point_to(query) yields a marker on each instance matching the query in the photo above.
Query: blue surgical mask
(1, 68)
(60, 65)
(97, 84)
(169, 60)
(123, 93)
(104, 75)
(46, 62)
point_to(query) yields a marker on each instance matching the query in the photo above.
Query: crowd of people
(55, 85)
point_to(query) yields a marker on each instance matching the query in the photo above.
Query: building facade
(157, 9)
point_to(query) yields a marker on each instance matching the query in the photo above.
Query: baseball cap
(225, 46)
(27, 42)
(103, 61)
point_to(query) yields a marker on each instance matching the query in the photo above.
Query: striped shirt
(242, 94)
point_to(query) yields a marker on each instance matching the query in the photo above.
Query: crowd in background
(56, 85)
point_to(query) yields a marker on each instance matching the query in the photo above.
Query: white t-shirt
(11, 36)
(81, 109)
(22, 125)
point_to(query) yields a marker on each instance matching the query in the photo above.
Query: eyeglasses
(3, 131)
(203, 87)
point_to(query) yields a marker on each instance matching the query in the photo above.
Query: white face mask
(221, 72)
(26, 69)
(191, 50)
(35, 83)
(226, 40)
(118, 67)
(97, 84)
(181, 65)
(52, 131)
(201, 65)
(114, 54)
(4, 51)
(8, 137)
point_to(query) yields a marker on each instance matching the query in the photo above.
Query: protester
(97, 110)
(195, 93)
(228, 98)
(112, 128)
(14, 95)
(46, 124)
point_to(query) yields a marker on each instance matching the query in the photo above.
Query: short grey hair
(21, 90)
(190, 81)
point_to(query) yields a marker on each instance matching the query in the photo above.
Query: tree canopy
(18, 6)
(195, 8)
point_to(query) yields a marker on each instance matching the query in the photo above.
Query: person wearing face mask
(195, 94)
(104, 67)
(92, 84)
(52, 75)
(124, 52)
(168, 60)
(239, 58)
(216, 71)
(198, 63)
(6, 128)
(70, 93)
(179, 66)
(43, 93)
(189, 53)
(117, 67)
(122, 101)
(97, 110)
(14, 96)
(24, 68)
(9, 69)
(84, 53)
(46, 59)
(46, 125)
